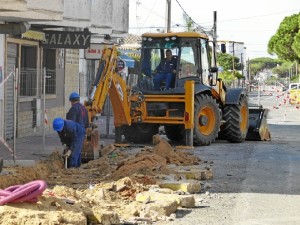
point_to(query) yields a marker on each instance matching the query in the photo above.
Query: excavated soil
(84, 195)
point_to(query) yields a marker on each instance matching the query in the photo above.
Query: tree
(282, 70)
(296, 44)
(260, 64)
(228, 75)
(285, 43)
(266, 63)
(225, 60)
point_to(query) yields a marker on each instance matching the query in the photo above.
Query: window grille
(28, 82)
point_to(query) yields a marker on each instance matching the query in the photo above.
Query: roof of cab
(176, 34)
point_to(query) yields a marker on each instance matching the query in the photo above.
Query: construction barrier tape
(23, 193)
(283, 102)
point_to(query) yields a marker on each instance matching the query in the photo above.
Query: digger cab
(190, 51)
(195, 61)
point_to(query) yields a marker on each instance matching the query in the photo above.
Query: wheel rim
(207, 128)
(244, 118)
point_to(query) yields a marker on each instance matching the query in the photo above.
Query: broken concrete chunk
(186, 201)
(106, 217)
(190, 187)
(159, 208)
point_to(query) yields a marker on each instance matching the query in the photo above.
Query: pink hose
(23, 193)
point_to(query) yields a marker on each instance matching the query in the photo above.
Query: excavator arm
(107, 82)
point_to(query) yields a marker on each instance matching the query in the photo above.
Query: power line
(265, 15)
(150, 11)
(199, 26)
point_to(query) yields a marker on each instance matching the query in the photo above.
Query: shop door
(12, 55)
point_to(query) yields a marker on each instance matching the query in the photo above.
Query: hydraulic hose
(23, 193)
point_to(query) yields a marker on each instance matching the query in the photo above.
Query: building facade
(42, 57)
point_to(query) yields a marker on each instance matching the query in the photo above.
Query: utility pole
(249, 71)
(168, 13)
(242, 64)
(233, 69)
(297, 72)
(215, 38)
(233, 58)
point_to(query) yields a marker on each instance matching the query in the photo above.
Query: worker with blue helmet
(72, 135)
(77, 112)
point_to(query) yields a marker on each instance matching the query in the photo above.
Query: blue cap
(58, 124)
(74, 96)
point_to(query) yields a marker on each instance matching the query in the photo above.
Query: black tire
(175, 132)
(236, 119)
(206, 120)
(140, 133)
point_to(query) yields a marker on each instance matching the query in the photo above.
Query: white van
(294, 86)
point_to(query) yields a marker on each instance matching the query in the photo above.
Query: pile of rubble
(117, 188)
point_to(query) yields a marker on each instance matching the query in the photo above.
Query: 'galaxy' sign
(66, 39)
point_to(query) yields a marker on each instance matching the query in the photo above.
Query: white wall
(120, 16)
(54, 6)
(100, 16)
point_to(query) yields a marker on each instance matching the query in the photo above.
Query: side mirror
(223, 48)
(213, 76)
(213, 69)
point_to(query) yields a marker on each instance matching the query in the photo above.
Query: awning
(35, 35)
(128, 60)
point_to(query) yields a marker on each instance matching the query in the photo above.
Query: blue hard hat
(73, 96)
(58, 124)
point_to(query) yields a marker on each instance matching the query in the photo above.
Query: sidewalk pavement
(30, 149)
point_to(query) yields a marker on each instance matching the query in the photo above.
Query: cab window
(188, 59)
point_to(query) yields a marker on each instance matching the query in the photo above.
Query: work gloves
(66, 151)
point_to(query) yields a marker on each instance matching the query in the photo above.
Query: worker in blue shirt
(166, 71)
(72, 135)
(77, 112)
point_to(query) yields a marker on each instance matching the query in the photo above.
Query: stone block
(106, 217)
(186, 186)
(158, 209)
(186, 201)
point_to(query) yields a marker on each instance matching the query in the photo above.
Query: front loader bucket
(258, 128)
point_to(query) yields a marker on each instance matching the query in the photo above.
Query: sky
(252, 22)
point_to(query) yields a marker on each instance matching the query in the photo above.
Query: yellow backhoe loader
(195, 110)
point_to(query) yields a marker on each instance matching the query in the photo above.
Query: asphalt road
(255, 183)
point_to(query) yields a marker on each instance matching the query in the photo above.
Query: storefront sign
(94, 51)
(67, 39)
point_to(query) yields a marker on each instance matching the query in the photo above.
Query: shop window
(28, 71)
(50, 65)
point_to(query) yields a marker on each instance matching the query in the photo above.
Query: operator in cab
(72, 136)
(166, 71)
(77, 112)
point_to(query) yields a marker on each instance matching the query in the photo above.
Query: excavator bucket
(258, 128)
(90, 150)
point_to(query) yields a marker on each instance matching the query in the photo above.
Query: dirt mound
(21, 175)
(165, 150)
(151, 161)
(101, 189)
(114, 164)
